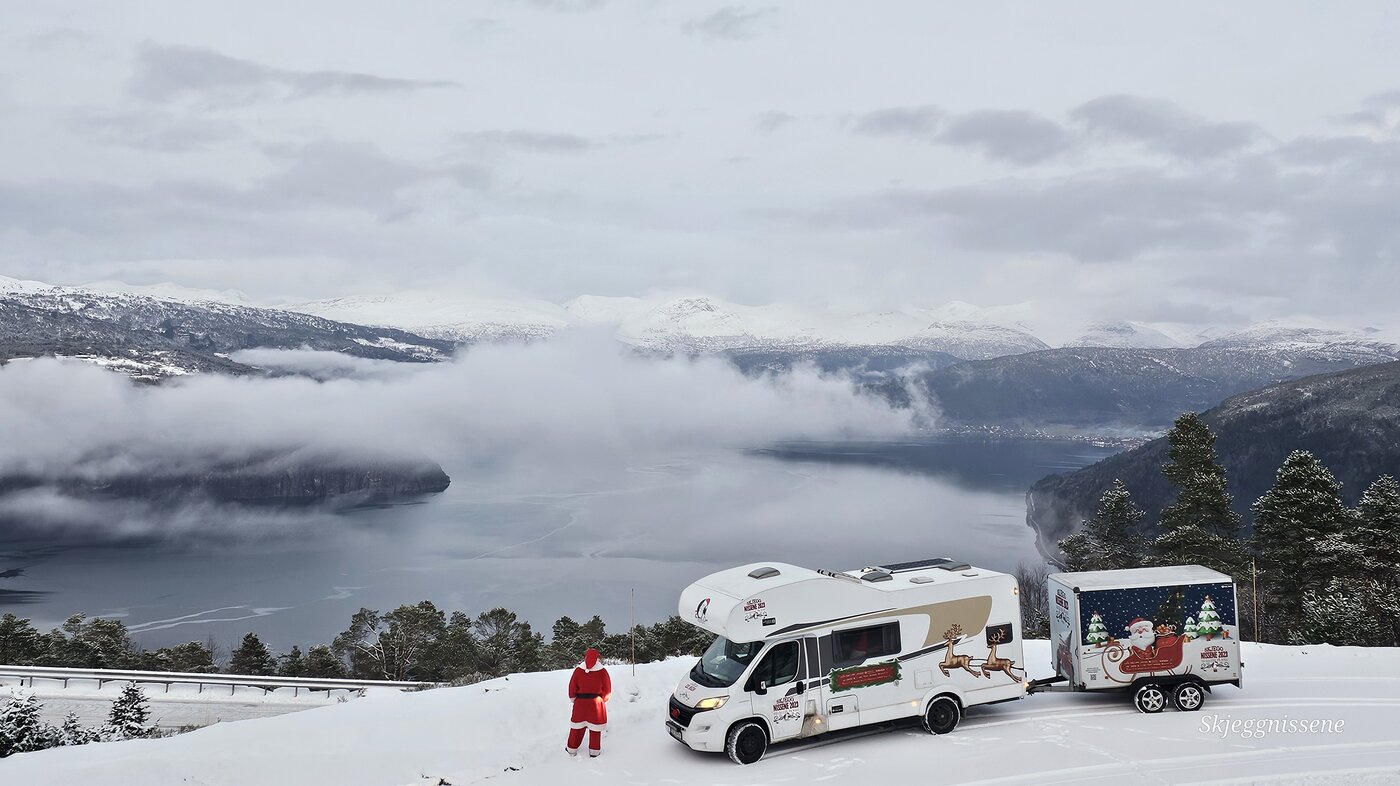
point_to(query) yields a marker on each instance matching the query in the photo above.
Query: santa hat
(590, 660)
(1136, 621)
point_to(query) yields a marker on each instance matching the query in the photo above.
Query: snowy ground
(181, 706)
(511, 732)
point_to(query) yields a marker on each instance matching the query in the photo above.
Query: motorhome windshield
(724, 662)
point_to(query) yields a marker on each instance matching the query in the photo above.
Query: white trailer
(801, 652)
(1156, 632)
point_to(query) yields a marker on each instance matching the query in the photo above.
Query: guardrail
(234, 681)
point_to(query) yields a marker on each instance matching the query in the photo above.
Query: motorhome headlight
(712, 703)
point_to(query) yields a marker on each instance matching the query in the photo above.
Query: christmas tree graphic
(1191, 631)
(1098, 634)
(1208, 625)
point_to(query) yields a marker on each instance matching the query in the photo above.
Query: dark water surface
(557, 539)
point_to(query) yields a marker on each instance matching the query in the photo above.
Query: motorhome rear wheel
(747, 742)
(1188, 697)
(1150, 698)
(943, 715)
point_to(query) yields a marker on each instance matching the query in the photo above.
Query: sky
(1191, 163)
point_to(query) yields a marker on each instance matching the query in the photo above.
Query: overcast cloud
(1117, 162)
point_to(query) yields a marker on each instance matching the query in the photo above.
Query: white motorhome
(801, 652)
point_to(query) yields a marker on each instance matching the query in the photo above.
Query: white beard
(1142, 639)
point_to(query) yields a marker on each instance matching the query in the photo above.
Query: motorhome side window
(779, 667)
(859, 644)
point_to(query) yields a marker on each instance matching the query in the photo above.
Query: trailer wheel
(1150, 698)
(943, 715)
(1188, 697)
(747, 743)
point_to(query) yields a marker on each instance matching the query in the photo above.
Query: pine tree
(1109, 540)
(130, 718)
(1189, 544)
(72, 732)
(322, 663)
(292, 664)
(1194, 469)
(1378, 528)
(252, 657)
(1291, 521)
(20, 643)
(1347, 613)
(1208, 623)
(21, 728)
(1191, 631)
(1097, 633)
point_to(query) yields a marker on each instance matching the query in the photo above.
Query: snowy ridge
(443, 317)
(153, 337)
(511, 731)
(1121, 333)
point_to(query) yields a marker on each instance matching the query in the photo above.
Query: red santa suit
(590, 688)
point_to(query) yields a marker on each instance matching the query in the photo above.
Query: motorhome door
(778, 685)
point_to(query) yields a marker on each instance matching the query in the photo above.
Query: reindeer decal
(951, 661)
(993, 663)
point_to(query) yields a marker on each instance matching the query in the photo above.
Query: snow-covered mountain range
(155, 331)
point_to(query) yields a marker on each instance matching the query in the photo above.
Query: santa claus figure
(590, 688)
(1142, 636)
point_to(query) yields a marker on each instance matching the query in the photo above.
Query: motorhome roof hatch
(766, 572)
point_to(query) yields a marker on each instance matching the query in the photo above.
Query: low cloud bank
(575, 401)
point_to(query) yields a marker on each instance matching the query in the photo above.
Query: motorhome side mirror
(762, 688)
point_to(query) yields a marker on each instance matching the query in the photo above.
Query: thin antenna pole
(1254, 569)
(632, 629)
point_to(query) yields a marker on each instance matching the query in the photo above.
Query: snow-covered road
(511, 732)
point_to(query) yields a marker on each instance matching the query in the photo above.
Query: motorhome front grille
(941, 562)
(681, 714)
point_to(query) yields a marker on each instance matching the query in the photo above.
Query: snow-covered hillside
(1120, 333)
(511, 731)
(448, 317)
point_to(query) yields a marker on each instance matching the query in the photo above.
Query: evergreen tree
(528, 652)
(456, 654)
(72, 732)
(20, 644)
(1200, 479)
(496, 637)
(292, 664)
(1208, 623)
(1292, 520)
(130, 718)
(322, 663)
(21, 728)
(674, 636)
(1344, 613)
(1189, 544)
(1097, 633)
(1378, 528)
(1110, 539)
(191, 657)
(252, 657)
(565, 649)
(89, 644)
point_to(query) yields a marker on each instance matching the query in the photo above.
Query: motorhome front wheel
(1150, 698)
(943, 715)
(747, 743)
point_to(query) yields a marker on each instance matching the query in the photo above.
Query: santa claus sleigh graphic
(1179, 634)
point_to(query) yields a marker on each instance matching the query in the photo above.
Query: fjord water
(550, 540)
